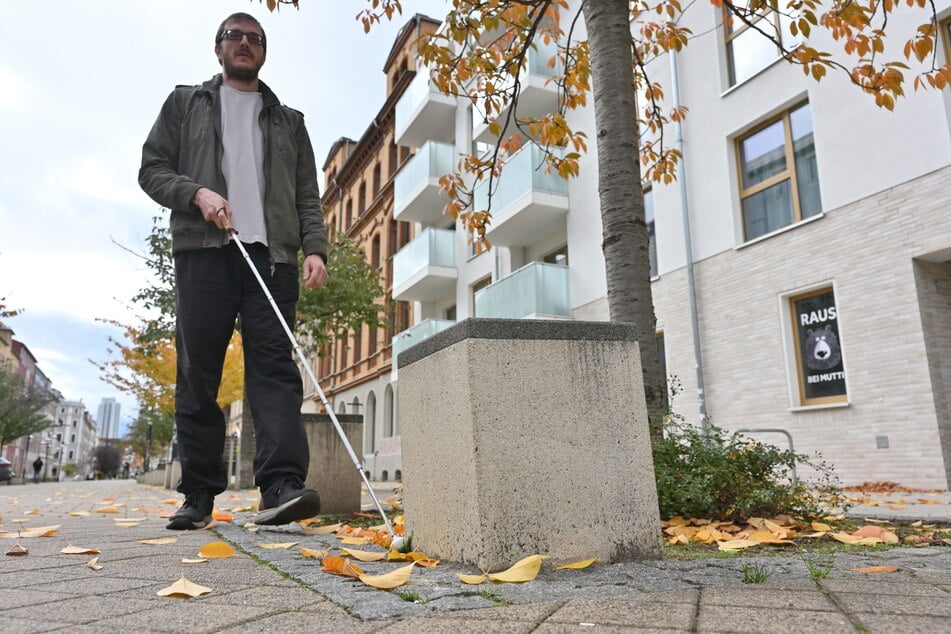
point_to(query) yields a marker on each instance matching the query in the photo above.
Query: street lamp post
(46, 463)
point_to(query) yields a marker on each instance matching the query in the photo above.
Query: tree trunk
(625, 240)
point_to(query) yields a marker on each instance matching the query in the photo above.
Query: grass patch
(819, 567)
(411, 597)
(755, 573)
(494, 597)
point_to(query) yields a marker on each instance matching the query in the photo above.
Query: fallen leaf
(77, 550)
(819, 526)
(216, 550)
(923, 501)
(390, 580)
(17, 550)
(157, 541)
(200, 560)
(183, 588)
(78, 513)
(523, 570)
(362, 555)
(423, 560)
(311, 553)
(916, 524)
(767, 538)
(578, 565)
(39, 531)
(678, 539)
(876, 569)
(354, 541)
(472, 580)
(877, 532)
(278, 545)
(94, 564)
(129, 520)
(340, 566)
(172, 501)
(222, 516)
(736, 544)
(896, 507)
(107, 509)
(33, 512)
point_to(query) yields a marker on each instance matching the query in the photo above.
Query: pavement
(277, 589)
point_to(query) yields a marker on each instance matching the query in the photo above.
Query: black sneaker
(287, 501)
(194, 513)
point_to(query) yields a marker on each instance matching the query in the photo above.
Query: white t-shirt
(243, 161)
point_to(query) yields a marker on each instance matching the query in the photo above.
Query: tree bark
(625, 240)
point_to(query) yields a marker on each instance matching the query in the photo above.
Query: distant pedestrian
(37, 467)
(125, 470)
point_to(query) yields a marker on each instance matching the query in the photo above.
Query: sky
(82, 82)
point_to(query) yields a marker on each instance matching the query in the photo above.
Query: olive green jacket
(183, 153)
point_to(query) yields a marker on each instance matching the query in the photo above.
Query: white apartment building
(820, 249)
(107, 415)
(71, 440)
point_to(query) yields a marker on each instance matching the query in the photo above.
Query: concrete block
(524, 437)
(332, 472)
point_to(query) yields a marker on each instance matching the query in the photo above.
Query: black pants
(213, 287)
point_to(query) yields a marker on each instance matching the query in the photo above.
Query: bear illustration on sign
(822, 349)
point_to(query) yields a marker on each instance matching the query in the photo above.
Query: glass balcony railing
(536, 289)
(418, 91)
(523, 172)
(433, 247)
(432, 161)
(418, 333)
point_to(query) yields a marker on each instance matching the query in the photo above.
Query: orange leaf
(217, 550)
(340, 566)
(221, 516)
(876, 569)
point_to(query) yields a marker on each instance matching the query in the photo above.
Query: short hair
(240, 17)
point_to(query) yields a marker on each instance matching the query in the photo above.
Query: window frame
(788, 173)
(791, 327)
(730, 33)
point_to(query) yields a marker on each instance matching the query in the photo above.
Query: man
(222, 154)
(37, 467)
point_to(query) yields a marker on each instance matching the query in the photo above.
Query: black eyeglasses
(235, 35)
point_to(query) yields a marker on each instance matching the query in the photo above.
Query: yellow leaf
(200, 560)
(819, 526)
(423, 559)
(129, 520)
(183, 588)
(33, 512)
(362, 555)
(472, 580)
(736, 544)
(767, 538)
(923, 501)
(311, 553)
(321, 530)
(94, 564)
(76, 550)
(217, 550)
(390, 580)
(39, 531)
(279, 545)
(159, 540)
(523, 570)
(578, 565)
(78, 513)
(876, 569)
(108, 509)
(678, 539)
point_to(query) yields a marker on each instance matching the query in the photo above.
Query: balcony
(423, 113)
(425, 269)
(536, 291)
(418, 333)
(526, 200)
(537, 95)
(416, 194)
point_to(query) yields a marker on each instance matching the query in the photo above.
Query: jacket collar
(213, 86)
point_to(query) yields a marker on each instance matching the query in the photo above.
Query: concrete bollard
(527, 437)
(331, 471)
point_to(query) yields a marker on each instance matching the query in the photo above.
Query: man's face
(240, 59)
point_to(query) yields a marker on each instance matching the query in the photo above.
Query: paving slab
(755, 620)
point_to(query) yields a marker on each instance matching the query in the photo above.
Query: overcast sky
(81, 82)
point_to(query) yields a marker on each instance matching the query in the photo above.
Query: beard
(241, 73)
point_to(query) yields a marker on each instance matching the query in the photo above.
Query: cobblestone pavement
(264, 589)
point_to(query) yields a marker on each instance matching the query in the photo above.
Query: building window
(375, 253)
(349, 216)
(373, 341)
(475, 288)
(651, 229)
(779, 180)
(394, 160)
(817, 346)
(362, 201)
(450, 313)
(558, 256)
(357, 344)
(376, 180)
(389, 412)
(750, 49)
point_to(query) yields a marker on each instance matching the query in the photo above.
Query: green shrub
(712, 474)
